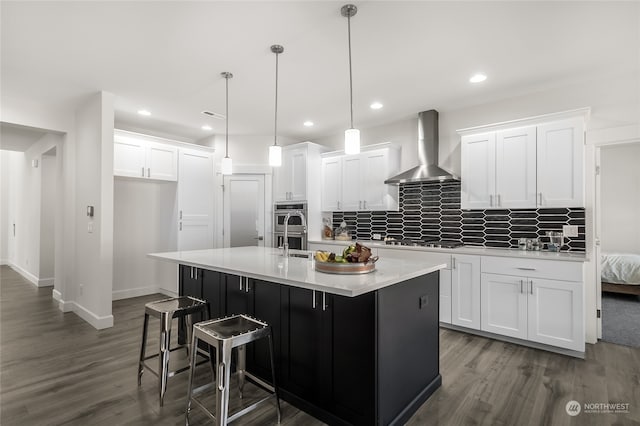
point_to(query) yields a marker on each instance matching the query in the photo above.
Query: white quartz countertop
(268, 264)
(480, 251)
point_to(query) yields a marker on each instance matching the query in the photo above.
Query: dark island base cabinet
(366, 360)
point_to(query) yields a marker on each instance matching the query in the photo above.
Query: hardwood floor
(55, 369)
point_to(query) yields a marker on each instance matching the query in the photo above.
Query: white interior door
(244, 218)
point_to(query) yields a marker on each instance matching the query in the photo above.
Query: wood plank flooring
(55, 369)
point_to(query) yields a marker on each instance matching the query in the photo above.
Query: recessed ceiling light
(308, 123)
(207, 127)
(376, 105)
(144, 112)
(478, 78)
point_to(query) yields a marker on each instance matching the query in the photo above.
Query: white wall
(48, 198)
(94, 187)
(620, 198)
(144, 221)
(5, 232)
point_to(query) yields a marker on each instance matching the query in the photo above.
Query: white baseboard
(65, 306)
(167, 292)
(93, 319)
(57, 296)
(133, 292)
(45, 282)
(25, 274)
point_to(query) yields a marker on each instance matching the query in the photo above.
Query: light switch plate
(570, 230)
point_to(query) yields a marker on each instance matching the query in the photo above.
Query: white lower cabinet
(465, 291)
(530, 306)
(445, 295)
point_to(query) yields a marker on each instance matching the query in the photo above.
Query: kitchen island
(350, 349)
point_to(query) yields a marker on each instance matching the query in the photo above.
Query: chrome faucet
(285, 242)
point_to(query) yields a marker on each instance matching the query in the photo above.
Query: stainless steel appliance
(424, 243)
(296, 232)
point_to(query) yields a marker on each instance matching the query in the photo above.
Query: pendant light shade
(275, 156)
(275, 151)
(351, 135)
(226, 167)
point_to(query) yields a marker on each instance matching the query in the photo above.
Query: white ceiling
(167, 57)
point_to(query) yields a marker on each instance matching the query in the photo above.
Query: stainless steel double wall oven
(296, 233)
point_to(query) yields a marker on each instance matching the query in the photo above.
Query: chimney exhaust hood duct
(427, 170)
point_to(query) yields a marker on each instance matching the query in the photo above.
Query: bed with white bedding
(621, 273)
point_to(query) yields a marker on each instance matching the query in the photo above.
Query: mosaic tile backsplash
(431, 211)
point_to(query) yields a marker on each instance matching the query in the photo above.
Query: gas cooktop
(424, 243)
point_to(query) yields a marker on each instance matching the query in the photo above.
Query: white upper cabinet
(560, 164)
(537, 165)
(139, 158)
(290, 179)
(356, 182)
(331, 183)
(516, 168)
(478, 170)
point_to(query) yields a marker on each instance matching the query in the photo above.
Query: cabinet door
(282, 178)
(236, 295)
(351, 177)
(129, 156)
(162, 162)
(331, 184)
(478, 171)
(195, 200)
(560, 164)
(302, 344)
(190, 284)
(556, 313)
(351, 366)
(465, 291)
(504, 305)
(516, 168)
(213, 292)
(445, 296)
(375, 169)
(265, 305)
(298, 177)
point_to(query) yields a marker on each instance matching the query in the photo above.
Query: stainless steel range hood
(428, 169)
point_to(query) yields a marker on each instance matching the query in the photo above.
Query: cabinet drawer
(534, 268)
(415, 255)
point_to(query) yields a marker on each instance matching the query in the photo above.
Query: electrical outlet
(80, 289)
(570, 230)
(376, 237)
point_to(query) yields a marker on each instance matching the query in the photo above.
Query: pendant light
(275, 150)
(351, 135)
(227, 165)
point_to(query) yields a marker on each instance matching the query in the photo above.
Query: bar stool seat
(183, 308)
(222, 335)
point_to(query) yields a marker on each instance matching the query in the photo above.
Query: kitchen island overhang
(353, 349)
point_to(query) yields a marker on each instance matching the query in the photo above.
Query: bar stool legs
(143, 348)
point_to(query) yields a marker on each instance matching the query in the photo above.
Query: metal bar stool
(223, 335)
(166, 310)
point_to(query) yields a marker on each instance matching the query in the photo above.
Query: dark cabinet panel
(212, 292)
(302, 345)
(237, 296)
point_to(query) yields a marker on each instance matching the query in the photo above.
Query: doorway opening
(618, 230)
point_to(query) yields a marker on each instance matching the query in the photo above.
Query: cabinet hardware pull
(246, 284)
(360, 205)
(521, 285)
(526, 269)
(143, 172)
(313, 295)
(531, 282)
(240, 283)
(365, 204)
(181, 226)
(191, 271)
(498, 200)
(453, 264)
(221, 368)
(196, 273)
(180, 214)
(338, 204)
(490, 200)
(148, 172)
(540, 197)
(324, 302)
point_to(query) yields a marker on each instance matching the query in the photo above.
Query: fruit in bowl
(355, 253)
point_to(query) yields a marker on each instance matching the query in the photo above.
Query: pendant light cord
(350, 73)
(275, 120)
(226, 132)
